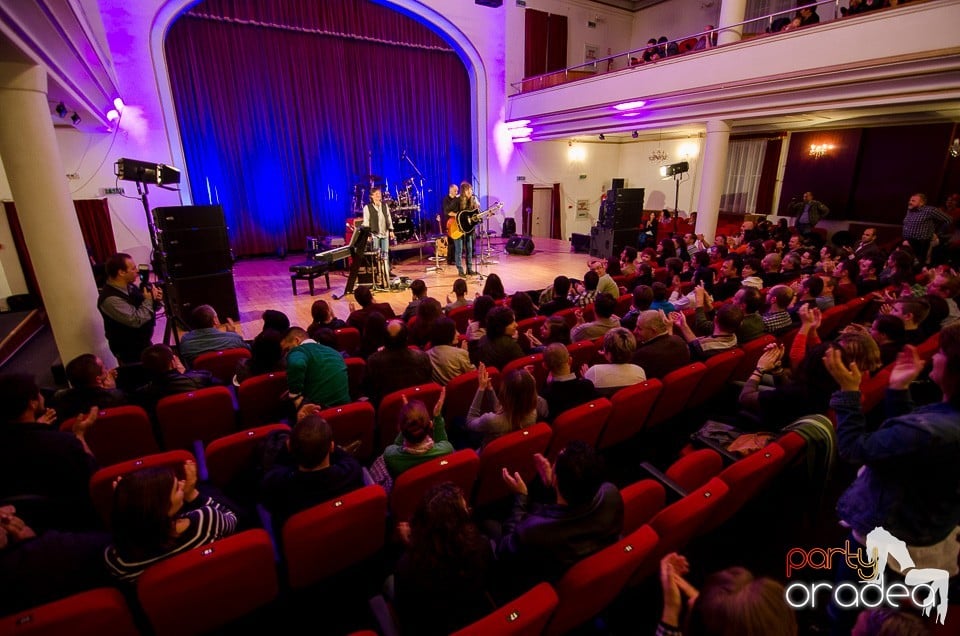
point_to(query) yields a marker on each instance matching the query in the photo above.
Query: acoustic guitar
(440, 245)
(467, 220)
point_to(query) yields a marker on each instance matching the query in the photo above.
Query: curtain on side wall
(288, 108)
(744, 168)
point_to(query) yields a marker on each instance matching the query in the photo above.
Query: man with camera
(129, 313)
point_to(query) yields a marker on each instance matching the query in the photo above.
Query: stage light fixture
(602, 137)
(75, 118)
(146, 172)
(61, 110)
(635, 134)
(673, 169)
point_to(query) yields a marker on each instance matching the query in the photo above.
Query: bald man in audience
(659, 351)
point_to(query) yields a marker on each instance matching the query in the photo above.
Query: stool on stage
(309, 270)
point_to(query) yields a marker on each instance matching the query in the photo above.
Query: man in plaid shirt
(920, 224)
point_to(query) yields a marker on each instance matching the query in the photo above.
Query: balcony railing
(686, 45)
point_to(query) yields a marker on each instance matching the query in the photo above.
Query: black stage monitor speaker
(617, 184)
(216, 290)
(185, 217)
(520, 245)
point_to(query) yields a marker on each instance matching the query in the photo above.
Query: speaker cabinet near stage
(520, 246)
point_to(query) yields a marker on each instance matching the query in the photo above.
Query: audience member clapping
(515, 406)
(447, 359)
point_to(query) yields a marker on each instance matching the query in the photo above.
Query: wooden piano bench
(309, 270)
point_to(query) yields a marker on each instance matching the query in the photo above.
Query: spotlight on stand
(145, 172)
(674, 169)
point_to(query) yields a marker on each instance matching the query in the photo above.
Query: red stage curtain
(526, 209)
(556, 231)
(97, 230)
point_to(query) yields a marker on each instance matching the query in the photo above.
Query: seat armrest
(672, 487)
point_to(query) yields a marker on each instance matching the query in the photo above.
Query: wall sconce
(575, 152)
(602, 137)
(62, 110)
(818, 150)
(75, 118)
(955, 148)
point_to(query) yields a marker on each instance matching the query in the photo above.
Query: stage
(264, 283)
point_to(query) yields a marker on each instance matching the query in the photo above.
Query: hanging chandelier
(659, 155)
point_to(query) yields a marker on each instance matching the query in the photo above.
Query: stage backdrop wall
(284, 107)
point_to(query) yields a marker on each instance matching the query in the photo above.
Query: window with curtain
(744, 170)
(545, 42)
(757, 8)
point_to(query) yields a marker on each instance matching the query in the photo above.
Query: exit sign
(521, 178)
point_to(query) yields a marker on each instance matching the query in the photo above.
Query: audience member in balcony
(428, 311)
(276, 320)
(750, 302)
(168, 377)
(724, 337)
(652, 52)
(921, 222)
(659, 351)
(499, 345)
(732, 601)
(129, 313)
(583, 294)
(667, 48)
(515, 406)
(564, 390)
(493, 287)
(39, 566)
(208, 334)
(565, 516)
(421, 439)
(442, 579)
(418, 291)
(315, 373)
(37, 459)
(323, 316)
(618, 371)
(708, 40)
(604, 320)
(642, 299)
(912, 311)
(522, 306)
(808, 16)
(477, 327)
(807, 212)
(396, 366)
(559, 298)
(909, 482)
(460, 295)
(91, 384)
(372, 335)
(266, 356)
(446, 358)
(305, 468)
(157, 515)
(554, 329)
(777, 319)
(780, 24)
(364, 298)
(868, 281)
(888, 331)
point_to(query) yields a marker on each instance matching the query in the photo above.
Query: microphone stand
(419, 194)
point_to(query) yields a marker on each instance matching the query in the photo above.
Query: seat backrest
(874, 388)
(119, 433)
(641, 501)
(327, 538)
(592, 584)
(221, 364)
(831, 319)
(535, 361)
(584, 423)
(98, 611)
(719, 368)
(624, 303)
(682, 520)
(928, 347)
(351, 423)
(787, 337)
(695, 469)
(678, 386)
(101, 482)
(348, 339)
(388, 413)
(526, 615)
(582, 353)
(261, 399)
(213, 584)
(630, 407)
(460, 467)
(569, 315)
(746, 477)
(531, 324)
(356, 369)
(229, 456)
(513, 451)
(461, 317)
(792, 444)
(460, 392)
(204, 415)
(751, 354)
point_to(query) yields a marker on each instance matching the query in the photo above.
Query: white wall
(674, 19)
(640, 172)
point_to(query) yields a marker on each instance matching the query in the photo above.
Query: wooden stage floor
(264, 283)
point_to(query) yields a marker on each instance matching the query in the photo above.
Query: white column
(31, 158)
(712, 176)
(731, 12)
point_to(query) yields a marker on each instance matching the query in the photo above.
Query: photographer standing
(129, 314)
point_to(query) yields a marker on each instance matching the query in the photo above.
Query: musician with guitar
(451, 205)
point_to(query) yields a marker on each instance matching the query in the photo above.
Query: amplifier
(196, 239)
(216, 290)
(186, 264)
(182, 217)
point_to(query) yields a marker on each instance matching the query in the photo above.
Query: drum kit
(404, 204)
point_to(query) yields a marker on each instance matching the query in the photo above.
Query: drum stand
(438, 261)
(380, 281)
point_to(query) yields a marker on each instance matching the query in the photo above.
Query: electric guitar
(467, 220)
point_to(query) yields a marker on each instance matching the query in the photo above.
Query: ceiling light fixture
(630, 105)
(819, 150)
(635, 134)
(659, 155)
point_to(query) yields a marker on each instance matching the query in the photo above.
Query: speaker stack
(195, 259)
(619, 223)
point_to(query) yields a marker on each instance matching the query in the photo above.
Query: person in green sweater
(315, 373)
(420, 439)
